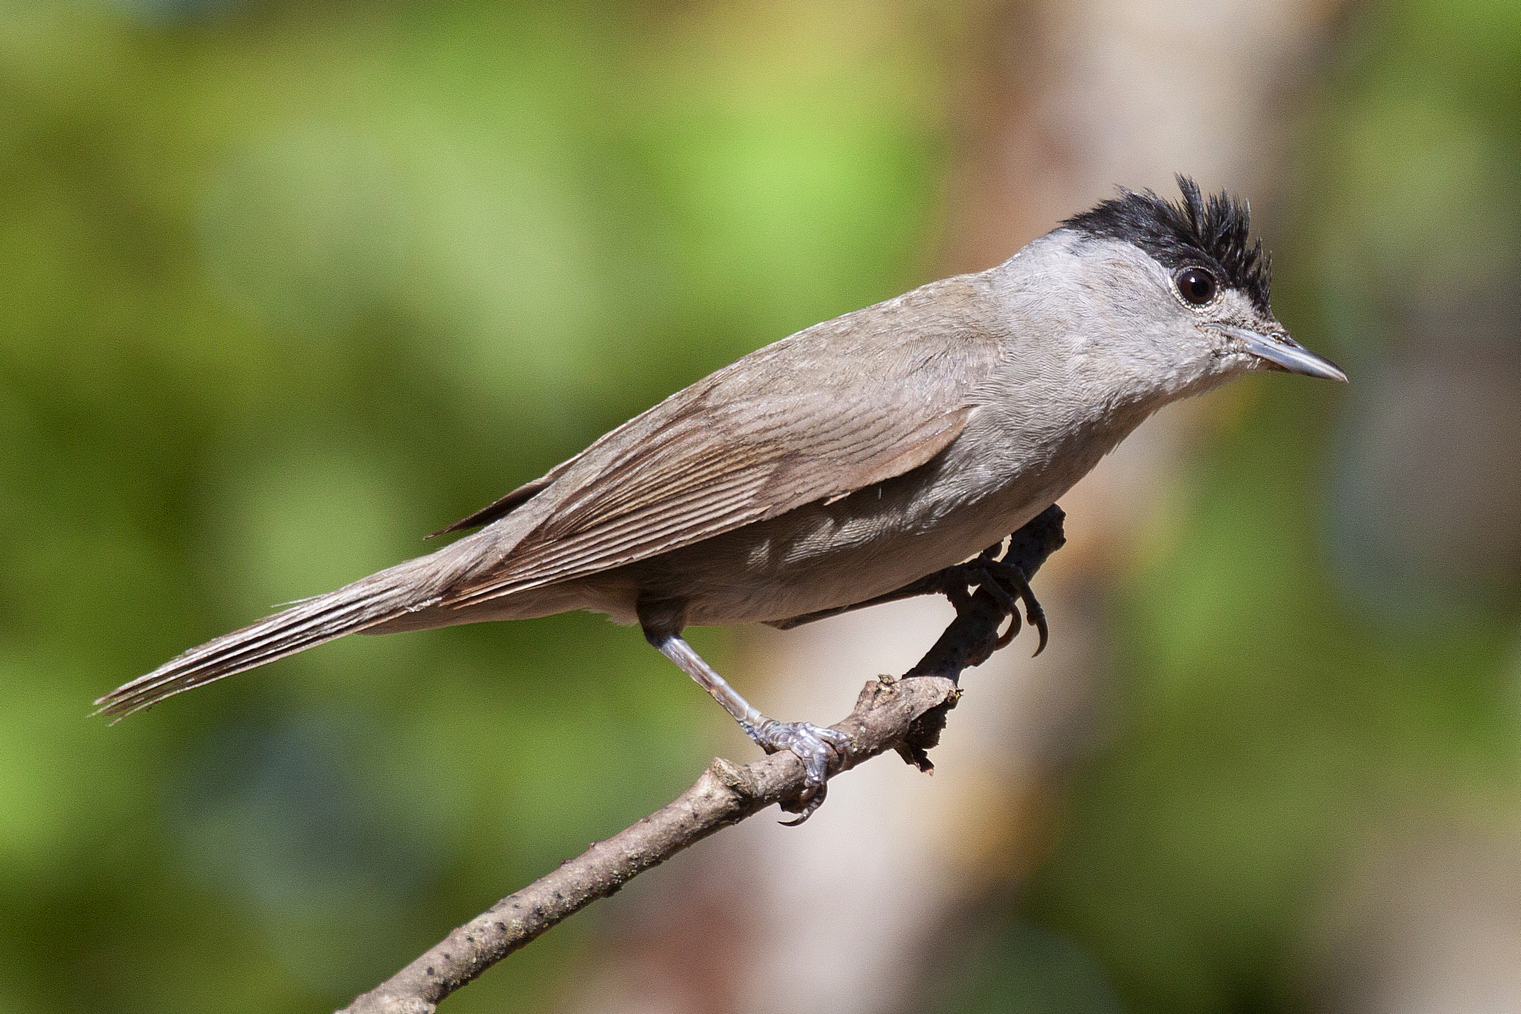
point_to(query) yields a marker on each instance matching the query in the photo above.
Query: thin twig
(724, 795)
(906, 715)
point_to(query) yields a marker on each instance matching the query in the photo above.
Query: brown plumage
(839, 464)
(737, 447)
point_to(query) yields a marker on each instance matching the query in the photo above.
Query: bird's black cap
(1211, 232)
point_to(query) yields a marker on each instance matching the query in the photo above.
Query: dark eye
(1196, 285)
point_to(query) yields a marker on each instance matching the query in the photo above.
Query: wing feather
(839, 407)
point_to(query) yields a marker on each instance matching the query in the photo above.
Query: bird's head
(1190, 285)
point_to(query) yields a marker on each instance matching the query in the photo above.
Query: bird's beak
(1285, 353)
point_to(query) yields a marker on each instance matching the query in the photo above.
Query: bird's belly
(824, 556)
(828, 555)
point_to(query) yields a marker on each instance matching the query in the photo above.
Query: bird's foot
(812, 746)
(1007, 583)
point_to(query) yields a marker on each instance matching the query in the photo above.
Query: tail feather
(365, 603)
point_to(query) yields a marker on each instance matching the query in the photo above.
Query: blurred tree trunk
(1053, 105)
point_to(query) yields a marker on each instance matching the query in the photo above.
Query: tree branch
(724, 795)
(906, 715)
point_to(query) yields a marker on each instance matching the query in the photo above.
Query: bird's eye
(1196, 285)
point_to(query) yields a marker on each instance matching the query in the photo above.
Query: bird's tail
(365, 603)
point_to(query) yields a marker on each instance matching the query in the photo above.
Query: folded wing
(839, 407)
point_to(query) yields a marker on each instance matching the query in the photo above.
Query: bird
(848, 460)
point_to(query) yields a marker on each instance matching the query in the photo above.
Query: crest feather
(1213, 232)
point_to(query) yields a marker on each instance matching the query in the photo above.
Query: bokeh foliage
(1322, 665)
(288, 286)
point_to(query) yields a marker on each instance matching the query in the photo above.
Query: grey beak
(1287, 354)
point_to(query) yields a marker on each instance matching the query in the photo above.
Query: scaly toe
(835, 738)
(812, 745)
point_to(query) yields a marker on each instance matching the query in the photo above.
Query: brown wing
(838, 407)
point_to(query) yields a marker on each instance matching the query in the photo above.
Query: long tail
(365, 603)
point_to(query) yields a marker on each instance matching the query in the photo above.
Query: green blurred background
(285, 286)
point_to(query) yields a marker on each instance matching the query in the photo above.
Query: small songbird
(841, 463)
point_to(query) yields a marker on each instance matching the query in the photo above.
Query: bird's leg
(810, 742)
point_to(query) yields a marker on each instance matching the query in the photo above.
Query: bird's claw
(1034, 614)
(1007, 583)
(812, 745)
